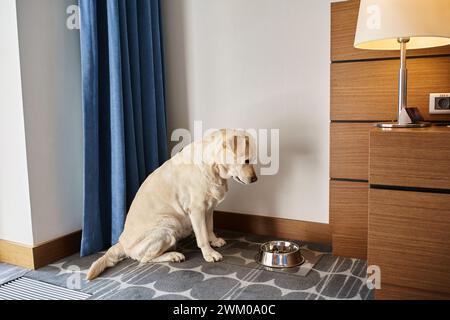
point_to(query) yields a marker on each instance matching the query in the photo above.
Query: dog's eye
(247, 161)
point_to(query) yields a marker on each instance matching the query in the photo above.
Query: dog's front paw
(212, 256)
(218, 242)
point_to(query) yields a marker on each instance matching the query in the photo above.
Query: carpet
(237, 277)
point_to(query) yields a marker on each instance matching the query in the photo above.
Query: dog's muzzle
(252, 180)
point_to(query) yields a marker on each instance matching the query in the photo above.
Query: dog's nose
(254, 179)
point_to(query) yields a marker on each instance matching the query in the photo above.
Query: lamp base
(395, 125)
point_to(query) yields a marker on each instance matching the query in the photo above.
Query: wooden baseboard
(277, 227)
(17, 254)
(54, 250)
(35, 257)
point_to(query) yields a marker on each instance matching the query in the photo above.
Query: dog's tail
(113, 256)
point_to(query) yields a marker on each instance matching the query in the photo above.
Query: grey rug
(237, 277)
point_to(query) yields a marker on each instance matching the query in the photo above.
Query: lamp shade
(382, 22)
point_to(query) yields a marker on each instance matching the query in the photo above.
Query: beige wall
(233, 63)
(15, 212)
(51, 80)
(257, 64)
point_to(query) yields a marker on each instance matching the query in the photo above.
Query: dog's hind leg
(154, 247)
(172, 256)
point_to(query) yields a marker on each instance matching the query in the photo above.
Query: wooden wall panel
(344, 17)
(425, 155)
(400, 241)
(348, 218)
(349, 154)
(368, 90)
(363, 90)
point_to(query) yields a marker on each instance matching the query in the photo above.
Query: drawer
(368, 90)
(348, 218)
(349, 153)
(409, 238)
(410, 158)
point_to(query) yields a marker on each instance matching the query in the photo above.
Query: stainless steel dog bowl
(280, 254)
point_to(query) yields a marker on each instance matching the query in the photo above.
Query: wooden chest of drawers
(409, 212)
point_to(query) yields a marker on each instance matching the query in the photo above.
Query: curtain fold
(125, 136)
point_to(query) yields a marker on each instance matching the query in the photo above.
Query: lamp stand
(404, 121)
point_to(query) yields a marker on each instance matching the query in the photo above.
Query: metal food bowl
(280, 254)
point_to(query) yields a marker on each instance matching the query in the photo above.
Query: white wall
(257, 64)
(15, 213)
(233, 63)
(51, 79)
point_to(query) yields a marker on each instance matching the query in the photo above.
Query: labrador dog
(180, 197)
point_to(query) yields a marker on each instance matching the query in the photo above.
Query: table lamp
(401, 25)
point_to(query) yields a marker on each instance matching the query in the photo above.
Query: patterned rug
(237, 277)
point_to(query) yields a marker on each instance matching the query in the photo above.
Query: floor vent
(29, 289)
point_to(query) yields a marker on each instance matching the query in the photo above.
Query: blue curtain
(124, 116)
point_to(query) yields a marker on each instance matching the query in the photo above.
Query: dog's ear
(239, 146)
(233, 144)
(227, 146)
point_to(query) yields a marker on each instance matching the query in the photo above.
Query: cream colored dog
(179, 198)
